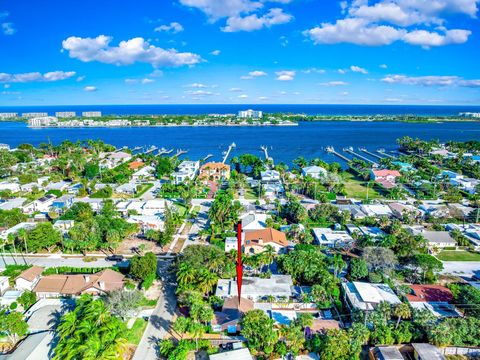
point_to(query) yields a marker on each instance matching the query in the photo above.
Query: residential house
(12, 204)
(215, 171)
(145, 173)
(58, 186)
(114, 159)
(28, 278)
(376, 210)
(16, 228)
(77, 284)
(42, 205)
(237, 354)
(129, 188)
(135, 165)
(254, 221)
(436, 299)
(29, 187)
(385, 178)
(64, 225)
(96, 204)
(427, 352)
(332, 238)
(231, 243)
(399, 210)
(63, 202)
(186, 170)
(255, 288)
(256, 240)
(366, 296)
(316, 172)
(270, 176)
(12, 186)
(232, 311)
(386, 353)
(437, 239)
(4, 284)
(147, 222)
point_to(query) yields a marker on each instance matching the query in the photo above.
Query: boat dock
(180, 152)
(265, 151)
(331, 150)
(383, 152)
(371, 154)
(227, 153)
(350, 151)
(207, 157)
(151, 149)
(164, 151)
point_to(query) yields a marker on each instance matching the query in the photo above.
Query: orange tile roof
(31, 273)
(215, 165)
(135, 165)
(266, 235)
(385, 172)
(78, 283)
(430, 293)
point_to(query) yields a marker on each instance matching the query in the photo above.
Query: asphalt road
(161, 318)
(56, 261)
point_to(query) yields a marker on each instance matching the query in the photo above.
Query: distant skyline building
(250, 114)
(41, 121)
(65, 114)
(34, 115)
(10, 115)
(92, 114)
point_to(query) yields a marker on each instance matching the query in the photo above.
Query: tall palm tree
(206, 281)
(185, 274)
(402, 311)
(196, 330)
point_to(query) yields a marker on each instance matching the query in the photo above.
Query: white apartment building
(65, 114)
(7, 115)
(186, 170)
(91, 113)
(250, 114)
(42, 121)
(34, 115)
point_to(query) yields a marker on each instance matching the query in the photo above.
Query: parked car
(114, 258)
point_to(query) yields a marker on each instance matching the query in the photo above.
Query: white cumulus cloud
(253, 75)
(285, 75)
(126, 53)
(254, 22)
(173, 27)
(358, 69)
(36, 77)
(433, 80)
(90, 88)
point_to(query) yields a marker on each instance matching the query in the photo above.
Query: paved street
(160, 321)
(149, 195)
(200, 223)
(56, 261)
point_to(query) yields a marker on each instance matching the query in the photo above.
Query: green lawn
(460, 255)
(134, 335)
(181, 208)
(143, 188)
(357, 189)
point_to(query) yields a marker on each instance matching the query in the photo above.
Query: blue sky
(239, 51)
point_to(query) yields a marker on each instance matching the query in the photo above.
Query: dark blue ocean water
(284, 143)
(229, 109)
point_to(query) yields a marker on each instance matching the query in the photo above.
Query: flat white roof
(240, 354)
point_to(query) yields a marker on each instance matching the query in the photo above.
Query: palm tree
(269, 254)
(196, 330)
(206, 281)
(338, 264)
(402, 311)
(185, 274)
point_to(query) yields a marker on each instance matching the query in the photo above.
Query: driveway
(464, 269)
(57, 261)
(46, 313)
(199, 223)
(160, 320)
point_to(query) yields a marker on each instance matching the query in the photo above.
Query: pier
(331, 150)
(227, 153)
(206, 158)
(383, 152)
(164, 151)
(151, 149)
(180, 152)
(350, 151)
(265, 151)
(371, 154)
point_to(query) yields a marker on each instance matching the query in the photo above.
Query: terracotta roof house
(435, 298)
(256, 240)
(228, 319)
(77, 284)
(215, 171)
(134, 165)
(28, 278)
(322, 325)
(385, 177)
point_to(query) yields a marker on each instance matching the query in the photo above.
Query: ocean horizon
(199, 109)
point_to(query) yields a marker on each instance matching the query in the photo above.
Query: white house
(376, 210)
(332, 238)
(12, 186)
(316, 172)
(144, 173)
(4, 285)
(116, 158)
(28, 278)
(12, 204)
(186, 170)
(40, 205)
(15, 229)
(365, 296)
(147, 222)
(60, 185)
(254, 221)
(270, 176)
(255, 288)
(128, 188)
(231, 243)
